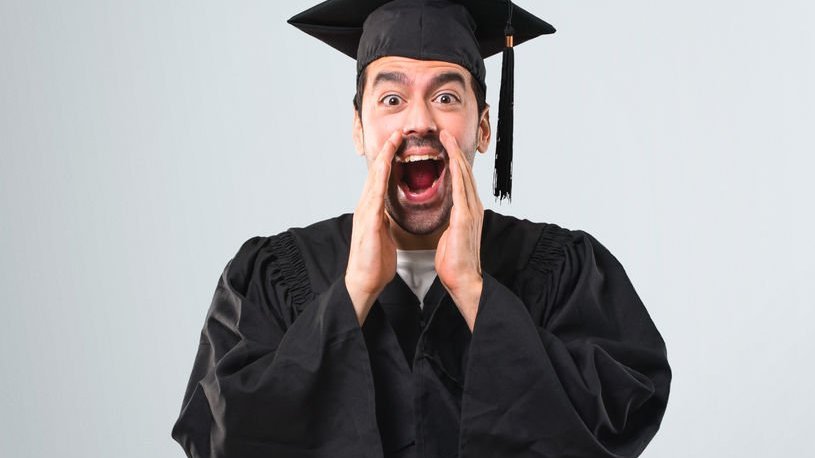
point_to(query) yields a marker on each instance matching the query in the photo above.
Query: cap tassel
(502, 180)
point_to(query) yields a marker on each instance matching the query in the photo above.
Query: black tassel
(502, 181)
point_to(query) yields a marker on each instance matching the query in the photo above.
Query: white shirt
(418, 269)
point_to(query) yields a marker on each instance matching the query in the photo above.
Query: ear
(484, 132)
(357, 134)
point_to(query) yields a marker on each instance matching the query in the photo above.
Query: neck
(407, 241)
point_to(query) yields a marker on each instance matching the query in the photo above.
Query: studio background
(141, 142)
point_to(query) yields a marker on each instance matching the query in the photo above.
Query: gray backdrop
(143, 141)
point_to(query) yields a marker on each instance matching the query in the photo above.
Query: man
(421, 325)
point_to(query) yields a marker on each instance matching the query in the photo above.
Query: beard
(420, 219)
(426, 218)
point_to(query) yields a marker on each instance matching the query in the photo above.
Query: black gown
(564, 360)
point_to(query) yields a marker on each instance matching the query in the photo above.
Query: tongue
(419, 175)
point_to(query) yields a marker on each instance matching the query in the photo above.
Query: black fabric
(401, 307)
(563, 361)
(463, 32)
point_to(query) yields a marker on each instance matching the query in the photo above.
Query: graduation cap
(463, 32)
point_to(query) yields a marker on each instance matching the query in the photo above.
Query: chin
(419, 221)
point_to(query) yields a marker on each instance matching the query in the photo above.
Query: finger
(475, 209)
(385, 156)
(457, 170)
(469, 183)
(450, 144)
(467, 174)
(470, 189)
(459, 191)
(467, 210)
(371, 201)
(382, 166)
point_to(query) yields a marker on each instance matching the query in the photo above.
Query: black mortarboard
(463, 32)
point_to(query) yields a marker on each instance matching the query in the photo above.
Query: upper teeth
(417, 157)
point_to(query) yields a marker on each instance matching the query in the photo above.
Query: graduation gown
(563, 361)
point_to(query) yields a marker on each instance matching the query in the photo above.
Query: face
(420, 99)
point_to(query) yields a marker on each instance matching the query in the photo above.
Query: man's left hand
(458, 255)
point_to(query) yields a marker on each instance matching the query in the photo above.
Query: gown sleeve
(580, 371)
(279, 371)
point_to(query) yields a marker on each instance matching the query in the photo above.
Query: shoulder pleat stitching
(289, 272)
(548, 254)
(548, 257)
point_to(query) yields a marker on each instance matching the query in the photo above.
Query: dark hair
(480, 93)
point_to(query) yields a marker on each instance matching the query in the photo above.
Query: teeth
(418, 157)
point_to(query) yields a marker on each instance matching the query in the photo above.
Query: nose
(419, 120)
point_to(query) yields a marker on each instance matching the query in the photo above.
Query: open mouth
(419, 175)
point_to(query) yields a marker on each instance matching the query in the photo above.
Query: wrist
(467, 300)
(362, 300)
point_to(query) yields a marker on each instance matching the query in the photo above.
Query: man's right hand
(372, 258)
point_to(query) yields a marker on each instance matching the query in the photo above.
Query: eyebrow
(447, 77)
(393, 77)
(402, 79)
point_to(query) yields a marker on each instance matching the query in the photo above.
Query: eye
(446, 98)
(391, 100)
